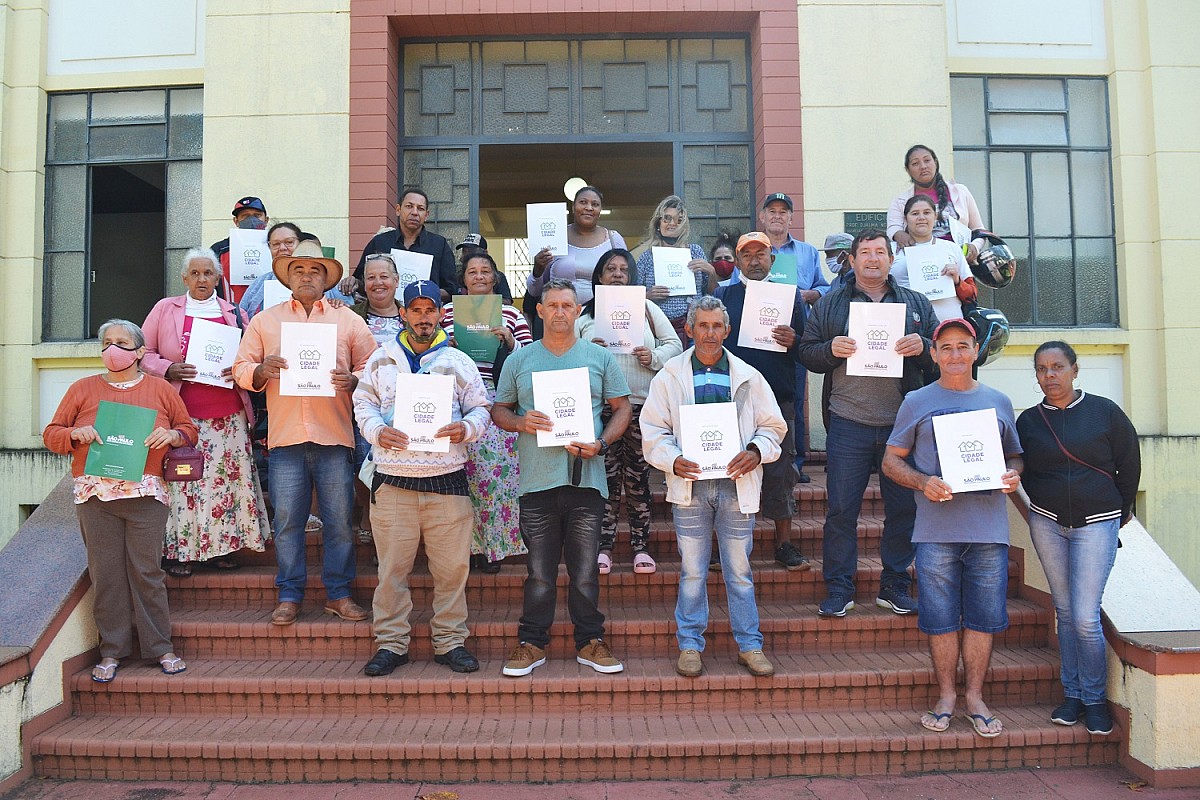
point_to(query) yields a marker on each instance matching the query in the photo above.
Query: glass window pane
(119, 108)
(1025, 94)
(1009, 206)
(1089, 113)
(966, 112)
(183, 205)
(187, 123)
(65, 298)
(1016, 299)
(1055, 276)
(66, 209)
(1029, 129)
(1091, 193)
(1095, 280)
(128, 142)
(971, 171)
(68, 128)
(1051, 194)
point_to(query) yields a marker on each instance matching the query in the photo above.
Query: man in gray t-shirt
(961, 538)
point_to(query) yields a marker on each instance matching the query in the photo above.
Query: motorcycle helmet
(991, 332)
(996, 265)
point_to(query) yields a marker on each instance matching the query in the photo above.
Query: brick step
(803, 682)
(635, 630)
(566, 746)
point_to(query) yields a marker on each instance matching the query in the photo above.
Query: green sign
(783, 269)
(855, 221)
(120, 453)
(474, 317)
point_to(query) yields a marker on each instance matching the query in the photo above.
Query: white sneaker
(314, 524)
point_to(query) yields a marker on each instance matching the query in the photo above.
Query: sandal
(172, 666)
(643, 564)
(982, 725)
(604, 561)
(224, 562)
(179, 569)
(104, 673)
(933, 721)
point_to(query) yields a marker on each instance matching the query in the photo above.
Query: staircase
(264, 703)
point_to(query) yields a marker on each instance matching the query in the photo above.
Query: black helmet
(991, 332)
(996, 265)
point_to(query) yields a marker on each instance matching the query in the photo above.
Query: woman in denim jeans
(1082, 468)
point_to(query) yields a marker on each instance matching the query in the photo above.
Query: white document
(274, 293)
(546, 225)
(411, 267)
(709, 435)
(565, 395)
(423, 406)
(969, 449)
(766, 306)
(875, 329)
(621, 317)
(671, 270)
(248, 255)
(310, 349)
(925, 263)
(212, 346)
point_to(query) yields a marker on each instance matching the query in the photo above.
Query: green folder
(474, 317)
(120, 453)
(784, 269)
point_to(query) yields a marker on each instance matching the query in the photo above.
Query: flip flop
(180, 569)
(644, 564)
(108, 672)
(938, 723)
(604, 561)
(980, 723)
(169, 666)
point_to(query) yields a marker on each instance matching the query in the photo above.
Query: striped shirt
(711, 383)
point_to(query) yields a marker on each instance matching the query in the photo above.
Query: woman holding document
(669, 227)
(951, 290)
(587, 240)
(117, 427)
(492, 471)
(1082, 468)
(640, 355)
(191, 341)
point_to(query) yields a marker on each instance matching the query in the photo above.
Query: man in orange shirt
(310, 438)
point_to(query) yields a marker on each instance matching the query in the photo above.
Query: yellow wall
(1164, 717)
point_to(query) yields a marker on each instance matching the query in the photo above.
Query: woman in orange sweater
(122, 521)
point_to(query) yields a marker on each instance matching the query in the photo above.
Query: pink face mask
(117, 358)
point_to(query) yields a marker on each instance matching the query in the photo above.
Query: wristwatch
(603, 446)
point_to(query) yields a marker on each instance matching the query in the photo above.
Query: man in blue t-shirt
(562, 488)
(961, 538)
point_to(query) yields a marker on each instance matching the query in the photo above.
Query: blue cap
(427, 289)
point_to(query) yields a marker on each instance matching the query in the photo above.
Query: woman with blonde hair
(669, 227)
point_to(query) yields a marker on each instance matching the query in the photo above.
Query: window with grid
(1036, 152)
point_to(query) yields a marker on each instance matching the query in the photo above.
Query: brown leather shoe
(347, 609)
(285, 613)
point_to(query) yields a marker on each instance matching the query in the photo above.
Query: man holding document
(710, 422)
(870, 337)
(420, 401)
(304, 353)
(551, 392)
(962, 437)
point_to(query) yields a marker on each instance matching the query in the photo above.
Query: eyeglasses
(278, 243)
(380, 257)
(669, 220)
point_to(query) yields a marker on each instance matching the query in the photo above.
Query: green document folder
(120, 453)
(784, 269)
(474, 317)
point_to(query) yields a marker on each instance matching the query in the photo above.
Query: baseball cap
(427, 289)
(957, 322)
(248, 202)
(753, 236)
(780, 197)
(838, 241)
(472, 240)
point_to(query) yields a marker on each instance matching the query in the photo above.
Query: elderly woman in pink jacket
(224, 511)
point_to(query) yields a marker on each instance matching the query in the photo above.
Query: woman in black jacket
(1082, 468)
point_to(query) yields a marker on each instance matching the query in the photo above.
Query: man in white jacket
(418, 493)
(708, 373)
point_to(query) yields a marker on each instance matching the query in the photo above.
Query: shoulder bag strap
(1063, 448)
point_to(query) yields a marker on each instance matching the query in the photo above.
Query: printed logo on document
(310, 359)
(971, 451)
(423, 411)
(620, 320)
(711, 440)
(118, 438)
(214, 353)
(877, 339)
(768, 315)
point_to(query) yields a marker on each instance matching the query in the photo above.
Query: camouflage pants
(627, 469)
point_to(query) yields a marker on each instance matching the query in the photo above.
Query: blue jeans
(565, 520)
(715, 505)
(853, 449)
(296, 471)
(1077, 562)
(963, 585)
(801, 427)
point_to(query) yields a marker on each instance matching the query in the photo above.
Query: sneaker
(384, 662)
(597, 655)
(714, 562)
(898, 601)
(1098, 719)
(835, 605)
(689, 664)
(787, 555)
(524, 658)
(1069, 712)
(314, 524)
(756, 663)
(459, 660)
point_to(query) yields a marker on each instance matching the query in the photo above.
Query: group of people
(494, 492)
